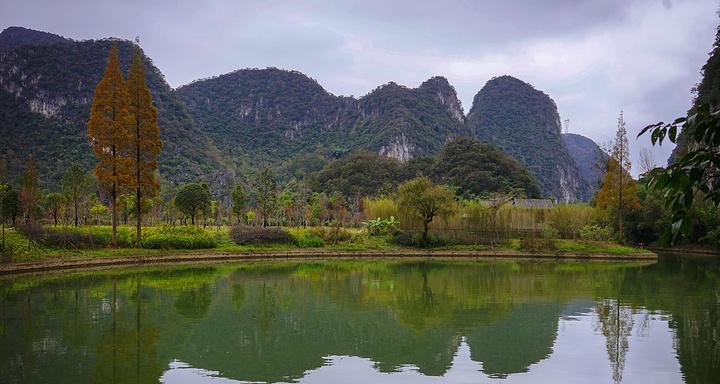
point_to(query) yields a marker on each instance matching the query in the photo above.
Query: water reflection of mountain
(274, 323)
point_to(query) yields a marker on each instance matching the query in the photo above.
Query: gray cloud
(593, 57)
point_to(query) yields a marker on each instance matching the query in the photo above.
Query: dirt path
(87, 262)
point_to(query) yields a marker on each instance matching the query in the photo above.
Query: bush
(410, 239)
(309, 240)
(246, 235)
(595, 233)
(72, 238)
(177, 238)
(536, 245)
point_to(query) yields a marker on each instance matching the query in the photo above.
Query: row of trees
(125, 136)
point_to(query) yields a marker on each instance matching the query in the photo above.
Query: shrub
(535, 245)
(410, 239)
(246, 235)
(381, 227)
(309, 240)
(548, 232)
(595, 233)
(177, 238)
(72, 238)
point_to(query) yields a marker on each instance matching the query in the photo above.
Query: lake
(372, 321)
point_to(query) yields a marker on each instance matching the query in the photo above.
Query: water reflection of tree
(126, 352)
(616, 324)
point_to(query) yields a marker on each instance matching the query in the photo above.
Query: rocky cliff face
(45, 93)
(515, 117)
(590, 159)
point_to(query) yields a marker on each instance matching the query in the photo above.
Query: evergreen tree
(146, 140)
(109, 129)
(30, 190)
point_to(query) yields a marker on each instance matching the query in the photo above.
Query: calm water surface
(367, 322)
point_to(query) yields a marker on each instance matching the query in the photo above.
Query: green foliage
(361, 173)
(166, 237)
(11, 205)
(239, 201)
(415, 239)
(538, 245)
(381, 227)
(53, 202)
(421, 198)
(309, 240)
(596, 233)
(479, 169)
(695, 175)
(694, 171)
(569, 219)
(247, 235)
(193, 199)
(265, 190)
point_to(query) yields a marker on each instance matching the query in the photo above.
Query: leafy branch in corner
(697, 174)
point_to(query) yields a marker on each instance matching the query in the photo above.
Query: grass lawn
(20, 249)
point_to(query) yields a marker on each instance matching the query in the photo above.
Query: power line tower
(566, 124)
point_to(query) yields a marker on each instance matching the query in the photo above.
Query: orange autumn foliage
(146, 143)
(109, 129)
(611, 191)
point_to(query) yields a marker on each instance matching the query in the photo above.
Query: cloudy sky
(593, 57)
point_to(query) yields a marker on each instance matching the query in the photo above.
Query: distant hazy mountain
(523, 121)
(589, 158)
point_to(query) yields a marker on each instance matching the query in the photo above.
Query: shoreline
(59, 264)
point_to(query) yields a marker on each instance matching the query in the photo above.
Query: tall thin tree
(75, 184)
(146, 140)
(30, 190)
(109, 129)
(621, 153)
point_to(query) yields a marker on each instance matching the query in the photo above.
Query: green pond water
(367, 322)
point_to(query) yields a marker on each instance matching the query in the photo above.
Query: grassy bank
(93, 242)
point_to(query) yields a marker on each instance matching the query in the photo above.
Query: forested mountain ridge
(13, 37)
(706, 91)
(274, 114)
(46, 88)
(240, 120)
(517, 118)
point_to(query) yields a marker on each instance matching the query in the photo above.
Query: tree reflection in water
(277, 322)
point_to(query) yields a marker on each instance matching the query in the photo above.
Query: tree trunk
(75, 207)
(192, 217)
(425, 232)
(113, 196)
(138, 212)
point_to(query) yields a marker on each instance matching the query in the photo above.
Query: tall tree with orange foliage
(619, 190)
(146, 142)
(109, 129)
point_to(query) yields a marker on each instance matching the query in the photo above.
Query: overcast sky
(594, 58)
